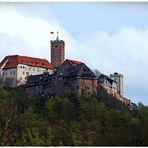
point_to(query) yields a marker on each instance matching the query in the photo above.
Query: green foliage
(3, 93)
(69, 121)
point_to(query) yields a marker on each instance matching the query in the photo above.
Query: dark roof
(107, 78)
(40, 79)
(81, 71)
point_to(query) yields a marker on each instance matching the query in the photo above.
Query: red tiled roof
(74, 62)
(14, 60)
(3, 61)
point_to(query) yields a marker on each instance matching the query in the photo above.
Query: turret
(119, 79)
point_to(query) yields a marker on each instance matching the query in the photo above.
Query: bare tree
(6, 82)
(140, 105)
(96, 72)
(1, 81)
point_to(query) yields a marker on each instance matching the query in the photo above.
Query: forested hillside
(69, 121)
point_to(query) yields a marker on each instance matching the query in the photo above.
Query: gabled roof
(3, 61)
(13, 61)
(80, 71)
(75, 69)
(107, 78)
(74, 62)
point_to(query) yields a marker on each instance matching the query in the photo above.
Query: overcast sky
(110, 37)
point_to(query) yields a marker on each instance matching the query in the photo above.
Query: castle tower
(57, 52)
(119, 79)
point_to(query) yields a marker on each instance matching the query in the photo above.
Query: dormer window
(23, 62)
(8, 62)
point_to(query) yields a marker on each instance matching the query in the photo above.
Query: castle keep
(57, 52)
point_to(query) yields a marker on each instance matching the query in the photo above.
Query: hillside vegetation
(69, 121)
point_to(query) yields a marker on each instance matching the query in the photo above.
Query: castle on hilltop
(62, 75)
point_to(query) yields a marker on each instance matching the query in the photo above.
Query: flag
(51, 32)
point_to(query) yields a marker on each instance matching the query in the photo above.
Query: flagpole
(52, 35)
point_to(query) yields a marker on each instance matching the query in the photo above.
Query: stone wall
(86, 87)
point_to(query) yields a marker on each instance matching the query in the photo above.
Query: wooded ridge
(70, 121)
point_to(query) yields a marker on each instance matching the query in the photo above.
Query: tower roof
(57, 39)
(116, 75)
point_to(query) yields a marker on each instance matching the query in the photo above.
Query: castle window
(10, 72)
(13, 72)
(56, 46)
